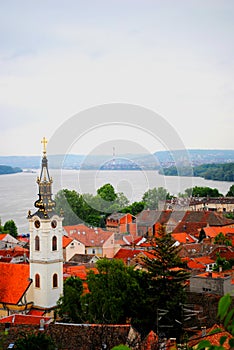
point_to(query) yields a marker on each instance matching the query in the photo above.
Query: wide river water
(18, 192)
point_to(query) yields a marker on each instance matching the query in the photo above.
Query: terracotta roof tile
(213, 338)
(24, 319)
(183, 237)
(66, 241)
(90, 237)
(125, 254)
(14, 281)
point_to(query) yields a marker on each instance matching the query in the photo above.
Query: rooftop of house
(212, 200)
(25, 319)
(2, 236)
(90, 237)
(83, 258)
(117, 216)
(193, 221)
(127, 254)
(66, 241)
(213, 335)
(14, 281)
(150, 217)
(183, 237)
(213, 231)
(206, 260)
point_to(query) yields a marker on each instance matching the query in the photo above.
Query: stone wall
(72, 337)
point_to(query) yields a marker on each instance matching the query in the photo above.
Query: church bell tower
(46, 252)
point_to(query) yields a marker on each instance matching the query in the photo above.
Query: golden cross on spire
(44, 141)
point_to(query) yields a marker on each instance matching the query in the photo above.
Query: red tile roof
(24, 319)
(125, 254)
(183, 237)
(90, 237)
(14, 281)
(211, 336)
(66, 241)
(150, 217)
(78, 271)
(206, 260)
(215, 230)
(193, 221)
(2, 236)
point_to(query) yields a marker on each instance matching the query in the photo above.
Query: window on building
(37, 243)
(54, 243)
(37, 280)
(93, 251)
(55, 280)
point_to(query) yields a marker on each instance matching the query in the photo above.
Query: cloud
(56, 60)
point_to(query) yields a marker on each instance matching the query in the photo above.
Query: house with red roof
(217, 283)
(149, 221)
(213, 335)
(218, 204)
(193, 221)
(183, 237)
(71, 247)
(7, 241)
(121, 223)
(15, 293)
(14, 255)
(21, 319)
(96, 240)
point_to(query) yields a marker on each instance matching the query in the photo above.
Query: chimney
(203, 329)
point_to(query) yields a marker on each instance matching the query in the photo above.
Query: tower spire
(44, 142)
(45, 203)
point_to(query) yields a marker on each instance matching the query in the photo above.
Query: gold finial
(44, 141)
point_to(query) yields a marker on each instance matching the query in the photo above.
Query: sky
(59, 58)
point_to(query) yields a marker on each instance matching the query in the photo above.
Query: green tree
(199, 191)
(11, 228)
(221, 263)
(69, 305)
(230, 193)
(153, 196)
(70, 202)
(34, 341)
(115, 293)
(134, 208)
(222, 240)
(167, 280)
(107, 192)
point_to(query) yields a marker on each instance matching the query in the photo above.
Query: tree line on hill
(93, 209)
(6, 169)
(216, 172)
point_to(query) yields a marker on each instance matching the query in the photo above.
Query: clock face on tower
(37, 224)
(54, 224)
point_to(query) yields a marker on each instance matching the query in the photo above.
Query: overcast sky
(58, 58)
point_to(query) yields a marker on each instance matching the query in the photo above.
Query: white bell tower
(46, 251)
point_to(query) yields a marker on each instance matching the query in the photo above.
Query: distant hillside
(217, 172)
(163, 159)
(6, 169)
(197, 156)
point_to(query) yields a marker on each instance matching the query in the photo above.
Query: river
(18, 192)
